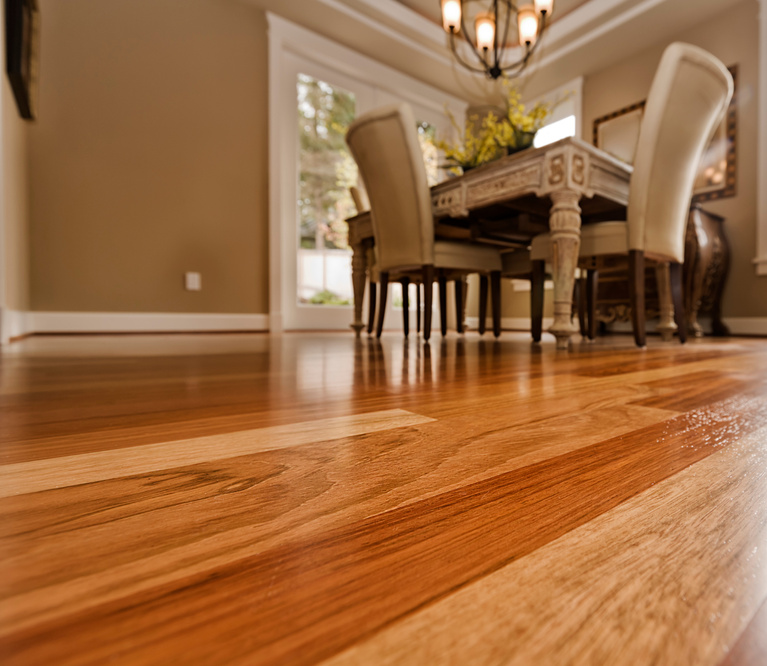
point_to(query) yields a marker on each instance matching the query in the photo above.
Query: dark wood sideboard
(706, 263)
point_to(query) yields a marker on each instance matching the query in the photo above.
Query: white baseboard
(15, 324)
(747, 325)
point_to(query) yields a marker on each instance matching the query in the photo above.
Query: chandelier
(490, 43)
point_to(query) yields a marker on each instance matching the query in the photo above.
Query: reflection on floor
(311, 497)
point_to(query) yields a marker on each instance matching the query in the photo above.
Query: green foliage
(327, 170)
(327, 297)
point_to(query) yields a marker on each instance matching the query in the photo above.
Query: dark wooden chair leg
(495, 294)
(417, 307)
(458, 287)
(537, 281)
(428, 293)
(592, 284)
(405, 282)
(579, 307)
(384, 282)
(675, 273)
(372, 307)
(442, 280)
(483, 284)
(636, 293)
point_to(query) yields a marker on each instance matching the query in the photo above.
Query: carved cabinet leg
(565, 224)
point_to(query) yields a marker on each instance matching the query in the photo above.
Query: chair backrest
(360, 199)
(688, 97)
(385, 145)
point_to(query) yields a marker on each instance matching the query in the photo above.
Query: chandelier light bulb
(451, 15)
(485, 28)
(528, 25)
(544, 6)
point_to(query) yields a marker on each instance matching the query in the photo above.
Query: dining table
(506, 202)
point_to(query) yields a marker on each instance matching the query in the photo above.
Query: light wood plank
(585, 598)
(39, 475)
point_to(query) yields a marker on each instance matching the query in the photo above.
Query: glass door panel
(326, 172)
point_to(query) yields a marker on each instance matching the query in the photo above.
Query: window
(565, 117)
(555, 131)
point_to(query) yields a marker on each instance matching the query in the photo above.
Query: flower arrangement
(517, 129)
(497, 134)
(478, 145)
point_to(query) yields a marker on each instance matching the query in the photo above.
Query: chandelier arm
(471, 44)
(517, 67)
(522, 63)
(505, 33)
(495, 34)
(461, 60)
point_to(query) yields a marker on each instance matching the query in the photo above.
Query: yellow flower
(479, 143)
(518, 120)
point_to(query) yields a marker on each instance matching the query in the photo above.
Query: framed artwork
(22, 34)
(717, 170)
(617, 133)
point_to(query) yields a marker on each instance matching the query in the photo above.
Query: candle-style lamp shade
(544, 6)
(528, 25)
(451, 16)
(484, 25)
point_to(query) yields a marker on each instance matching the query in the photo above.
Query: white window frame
(287, 44)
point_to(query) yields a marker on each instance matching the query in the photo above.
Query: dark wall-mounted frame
(618, 132)
(22, 34)
(716, 177)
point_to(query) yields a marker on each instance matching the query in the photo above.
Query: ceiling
(584, 37)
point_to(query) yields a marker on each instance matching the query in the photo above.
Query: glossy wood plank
(430, 549)
(584, 599)
(104, 532)
(296, 554)
(751, 648)
(32, 477)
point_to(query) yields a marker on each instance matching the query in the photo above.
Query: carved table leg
(666, 326)
(359, 277)
(565, 225)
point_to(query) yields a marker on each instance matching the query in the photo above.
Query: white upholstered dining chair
(688, 97)
(385, 145)
(362, 205)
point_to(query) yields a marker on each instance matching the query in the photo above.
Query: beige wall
(733, 38)
(14, 201)
(149, 157)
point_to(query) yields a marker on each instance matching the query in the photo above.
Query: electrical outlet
(193, 281)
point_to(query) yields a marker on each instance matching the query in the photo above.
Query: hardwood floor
(306, 498)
